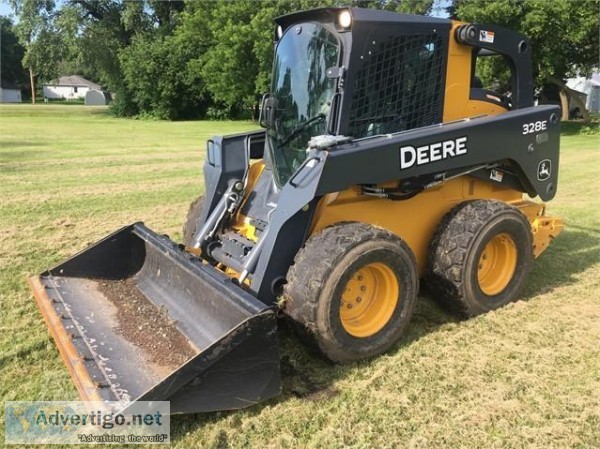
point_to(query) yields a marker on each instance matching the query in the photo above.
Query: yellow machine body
(415, 220)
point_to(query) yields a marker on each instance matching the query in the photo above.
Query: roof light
(345, 19)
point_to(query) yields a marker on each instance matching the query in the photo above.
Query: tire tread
(191, 220)
(310, 271)
(450, 245)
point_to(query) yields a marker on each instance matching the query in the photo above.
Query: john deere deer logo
(544, 170)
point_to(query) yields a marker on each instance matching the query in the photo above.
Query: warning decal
(486, 36)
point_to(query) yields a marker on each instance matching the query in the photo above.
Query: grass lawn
(527, 375)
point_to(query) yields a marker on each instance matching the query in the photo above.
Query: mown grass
(524, 376)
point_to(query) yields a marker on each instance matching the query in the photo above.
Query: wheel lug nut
(359, 299)
(349, 306)
(363, 288)
(360, 278)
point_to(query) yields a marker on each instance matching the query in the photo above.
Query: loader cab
(350, 72)
(302, 93)
(363, 73)
(351, 78)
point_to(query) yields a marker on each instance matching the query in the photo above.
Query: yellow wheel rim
(497, 264)
(369, 300)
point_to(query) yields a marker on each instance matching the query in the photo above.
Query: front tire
(351, 291)
(480, 256)
(191, 220)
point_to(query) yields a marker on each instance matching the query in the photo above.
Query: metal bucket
(136, 318)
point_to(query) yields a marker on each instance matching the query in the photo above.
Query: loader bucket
(136, 318)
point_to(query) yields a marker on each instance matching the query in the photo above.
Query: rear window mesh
(399, 86)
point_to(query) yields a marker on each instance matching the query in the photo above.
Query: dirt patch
(145, 325)
(301, 385)
(321, 393)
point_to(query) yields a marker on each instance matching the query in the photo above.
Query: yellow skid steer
(381, 163)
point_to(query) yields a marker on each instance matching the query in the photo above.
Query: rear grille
(399, 86)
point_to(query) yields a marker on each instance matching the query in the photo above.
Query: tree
(229, 66)
(114, 36)
(156, 75)
(166, 14)
(66, 23)
(236, 66)
(563, 34)
(36, 33)
(105, 28)
(11, 54)
(170, 59)
(47, 36)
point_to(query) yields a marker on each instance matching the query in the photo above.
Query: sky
(439, 8)
(5, 10)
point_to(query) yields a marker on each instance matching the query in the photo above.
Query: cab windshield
(302, 94)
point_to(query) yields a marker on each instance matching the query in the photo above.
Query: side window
(491, 79)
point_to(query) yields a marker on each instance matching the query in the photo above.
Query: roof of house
(584, 85)
(74, 80)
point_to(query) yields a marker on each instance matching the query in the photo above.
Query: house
(588, 90)
(69, 88)
(9, 93)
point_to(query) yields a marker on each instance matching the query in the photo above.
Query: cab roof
(365, 15)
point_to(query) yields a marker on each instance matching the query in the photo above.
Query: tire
(191, 220)
(351, 291)
(480, 256)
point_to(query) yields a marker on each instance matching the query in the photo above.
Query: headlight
(279, 32)
(345, 19)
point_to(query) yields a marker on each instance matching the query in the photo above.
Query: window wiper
(301, 127)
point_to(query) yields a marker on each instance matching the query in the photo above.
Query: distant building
(589, 91)
(95, 97)
(9, 93)
(69, 88)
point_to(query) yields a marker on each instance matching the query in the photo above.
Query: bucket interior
(138, 309)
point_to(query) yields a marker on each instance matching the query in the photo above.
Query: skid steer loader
(381, 163)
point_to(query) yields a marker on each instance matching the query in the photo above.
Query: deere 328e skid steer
(381, 163)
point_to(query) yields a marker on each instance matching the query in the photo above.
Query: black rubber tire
(191, 220)
(319, 275)
(456, 249)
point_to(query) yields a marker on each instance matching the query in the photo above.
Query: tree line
(212, 58)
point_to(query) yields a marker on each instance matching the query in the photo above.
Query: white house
(69, 88)
(9, 93)
(589, 90)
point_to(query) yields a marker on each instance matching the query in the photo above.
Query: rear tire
(191, 220)
(480, 256)
(351, 291)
